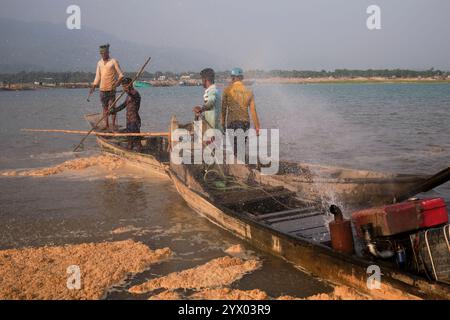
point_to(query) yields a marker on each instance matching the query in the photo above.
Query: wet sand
(110, 240)
(41, 273)
(212, 281)
(339, 293)
(216, 273)
(107, 162)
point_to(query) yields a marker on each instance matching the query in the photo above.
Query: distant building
(48, 82)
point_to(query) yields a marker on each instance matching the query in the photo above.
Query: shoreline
(258, 81)
(328, 80)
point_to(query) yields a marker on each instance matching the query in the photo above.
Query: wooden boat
(154, 156)
(286, 215)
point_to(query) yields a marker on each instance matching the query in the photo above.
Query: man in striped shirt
(108, 76)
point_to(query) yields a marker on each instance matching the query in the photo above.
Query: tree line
(76, 77)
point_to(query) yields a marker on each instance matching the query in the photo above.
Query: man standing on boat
(211, 100)
(132, 104)
(237, 99)
(108, 76)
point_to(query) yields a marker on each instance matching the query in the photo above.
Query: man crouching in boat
(132, 104)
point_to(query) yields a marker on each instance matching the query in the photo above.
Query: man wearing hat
(108, 76)
(237, 99)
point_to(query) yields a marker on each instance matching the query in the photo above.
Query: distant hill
(41, 46)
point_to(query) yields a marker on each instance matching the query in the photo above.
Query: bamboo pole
(102, 134)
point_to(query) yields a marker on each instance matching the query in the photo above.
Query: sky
(282, 34)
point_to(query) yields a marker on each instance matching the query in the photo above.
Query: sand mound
(167, 295)
(216, 273)
(41, 273)
(126, 229)
(229, 294)
(130, 230)
(235, 250)
(288, 298)
(108, 162)
(339, 293)
(240, 252)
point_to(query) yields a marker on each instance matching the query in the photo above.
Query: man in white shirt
(211, 108)
(108, 76)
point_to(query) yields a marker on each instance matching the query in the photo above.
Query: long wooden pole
(102, 134)
(111, 106)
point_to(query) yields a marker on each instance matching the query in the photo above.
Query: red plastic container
(403, 217)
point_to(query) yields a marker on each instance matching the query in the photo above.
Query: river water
(390, 127)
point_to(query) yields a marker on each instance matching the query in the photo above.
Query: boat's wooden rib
(300, 216)
(283, 213)
(298, 231)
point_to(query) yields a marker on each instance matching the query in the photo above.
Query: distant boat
(142, 84)
(189, 83)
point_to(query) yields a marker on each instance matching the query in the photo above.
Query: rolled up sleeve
(118, 70)
(97, 76)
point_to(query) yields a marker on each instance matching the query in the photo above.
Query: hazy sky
(285, 34)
